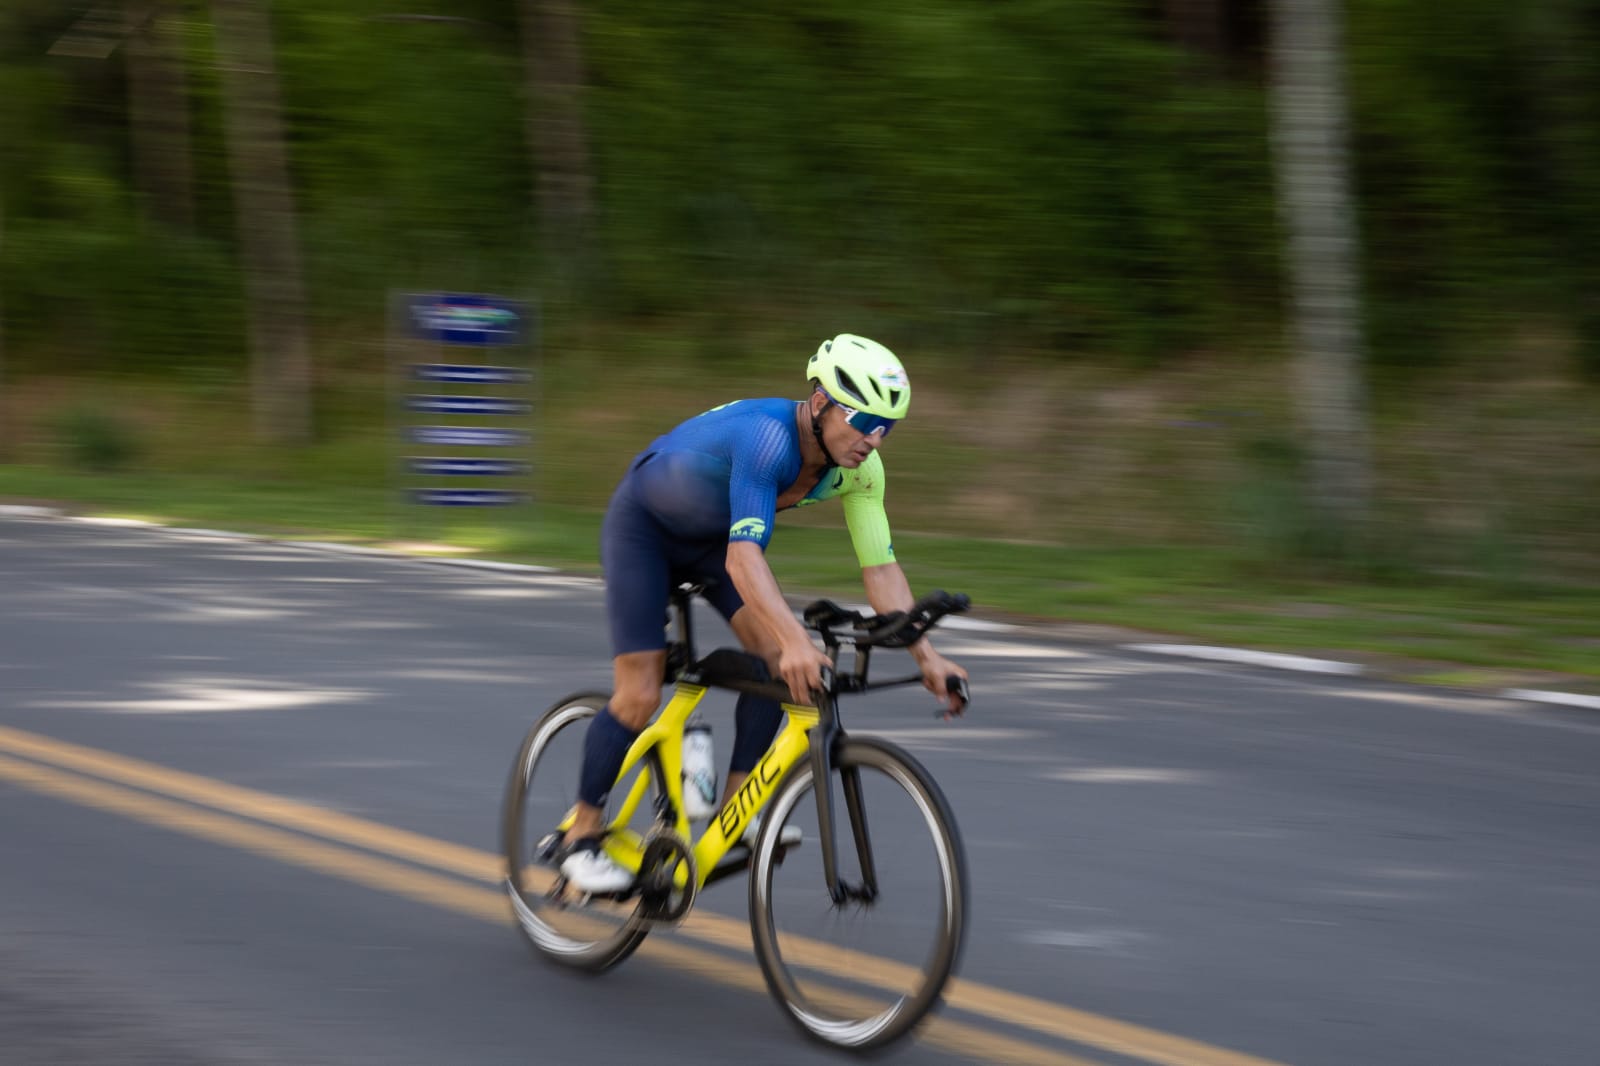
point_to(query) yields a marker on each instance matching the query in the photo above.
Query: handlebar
(742, 672)
(897, 629)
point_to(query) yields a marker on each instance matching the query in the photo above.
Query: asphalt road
(251, 795)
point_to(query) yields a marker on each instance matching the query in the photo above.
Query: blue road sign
(465, 319)
(471, 375)
(467, 497)
(444, 467)
(467, 405)
(462, 435)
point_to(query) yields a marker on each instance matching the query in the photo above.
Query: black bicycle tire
(601, 955)
(867, 751)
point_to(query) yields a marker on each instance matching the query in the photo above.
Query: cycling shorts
(643, 562)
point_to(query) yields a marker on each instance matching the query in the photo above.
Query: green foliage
(1270, 509)
(1057, 175)
(1026, 176)
(1479, 161)
(1045, 163)
(93, 439)
(408, 145)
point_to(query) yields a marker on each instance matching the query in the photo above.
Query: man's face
(845, 442)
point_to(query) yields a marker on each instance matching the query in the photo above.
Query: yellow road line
(262, 806)
(1041, 1016)
(393, 877)
(452, 895)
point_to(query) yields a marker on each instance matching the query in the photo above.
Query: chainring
(661, 900)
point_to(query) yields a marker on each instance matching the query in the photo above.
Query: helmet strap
(816, 428)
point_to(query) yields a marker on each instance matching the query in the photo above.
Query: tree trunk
(158, 102)
(1314, 198)
(557, 139)
(1564, 35)
(4, 422)
(264, 201)
(1197, 25)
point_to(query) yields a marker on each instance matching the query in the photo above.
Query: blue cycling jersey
(713, 479)
(719, 475)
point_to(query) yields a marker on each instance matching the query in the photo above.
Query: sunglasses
(866, 424)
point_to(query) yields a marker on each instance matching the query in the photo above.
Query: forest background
(1069, 217)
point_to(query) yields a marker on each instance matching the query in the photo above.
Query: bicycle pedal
(548, 849)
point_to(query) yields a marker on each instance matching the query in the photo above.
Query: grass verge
(1463, 632)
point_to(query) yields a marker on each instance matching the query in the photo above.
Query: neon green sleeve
(862, 498)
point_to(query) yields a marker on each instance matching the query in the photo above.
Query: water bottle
(699, 771)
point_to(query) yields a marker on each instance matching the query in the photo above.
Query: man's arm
(888, 590)
(800, 662)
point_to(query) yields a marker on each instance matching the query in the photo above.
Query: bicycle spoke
(559, 922)
(860, 973)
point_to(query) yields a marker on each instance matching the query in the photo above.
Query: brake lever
(956, 685)
(829, 679)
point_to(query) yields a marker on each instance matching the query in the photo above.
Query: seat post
(681, 597)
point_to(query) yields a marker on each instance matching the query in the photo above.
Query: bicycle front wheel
(860, 974)
(591, 935)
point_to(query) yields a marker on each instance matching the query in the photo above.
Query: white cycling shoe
(589, 869)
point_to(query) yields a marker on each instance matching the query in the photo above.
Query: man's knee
(636, 687)
(632, 705)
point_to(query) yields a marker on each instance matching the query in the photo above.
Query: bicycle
(892, 870)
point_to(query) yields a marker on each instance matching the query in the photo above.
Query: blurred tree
(158, 105)
(1314, 196)
(3, 400)
(1063, 177)
(1198, 25)
(1565, 104)
(264, 202)
(557, 136)
(1225, 32)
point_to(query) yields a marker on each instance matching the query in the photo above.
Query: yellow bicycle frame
(665, 737)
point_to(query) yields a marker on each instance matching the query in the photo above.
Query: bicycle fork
(824, 743)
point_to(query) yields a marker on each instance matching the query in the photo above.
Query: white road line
(1246, 656)
(1565, 699)
(1276, 660)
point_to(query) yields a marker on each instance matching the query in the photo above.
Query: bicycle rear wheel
(588, 934)
(860, 975)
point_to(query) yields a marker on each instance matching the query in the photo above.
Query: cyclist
(699, 503)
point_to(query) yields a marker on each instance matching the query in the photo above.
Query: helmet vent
(848, 384)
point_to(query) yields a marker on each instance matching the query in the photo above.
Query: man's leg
(756, 720)
(636, 693)
(638, 577)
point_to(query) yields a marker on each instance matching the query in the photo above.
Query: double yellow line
(314, 838)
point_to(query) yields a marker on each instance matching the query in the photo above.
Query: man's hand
(801, 665)
(888, 590)
(936, 672)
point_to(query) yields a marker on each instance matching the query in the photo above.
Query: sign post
(450, 400)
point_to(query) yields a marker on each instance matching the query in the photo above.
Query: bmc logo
(753, 528)
(732, 817)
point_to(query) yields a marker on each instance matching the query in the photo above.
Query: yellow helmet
(861, 374)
